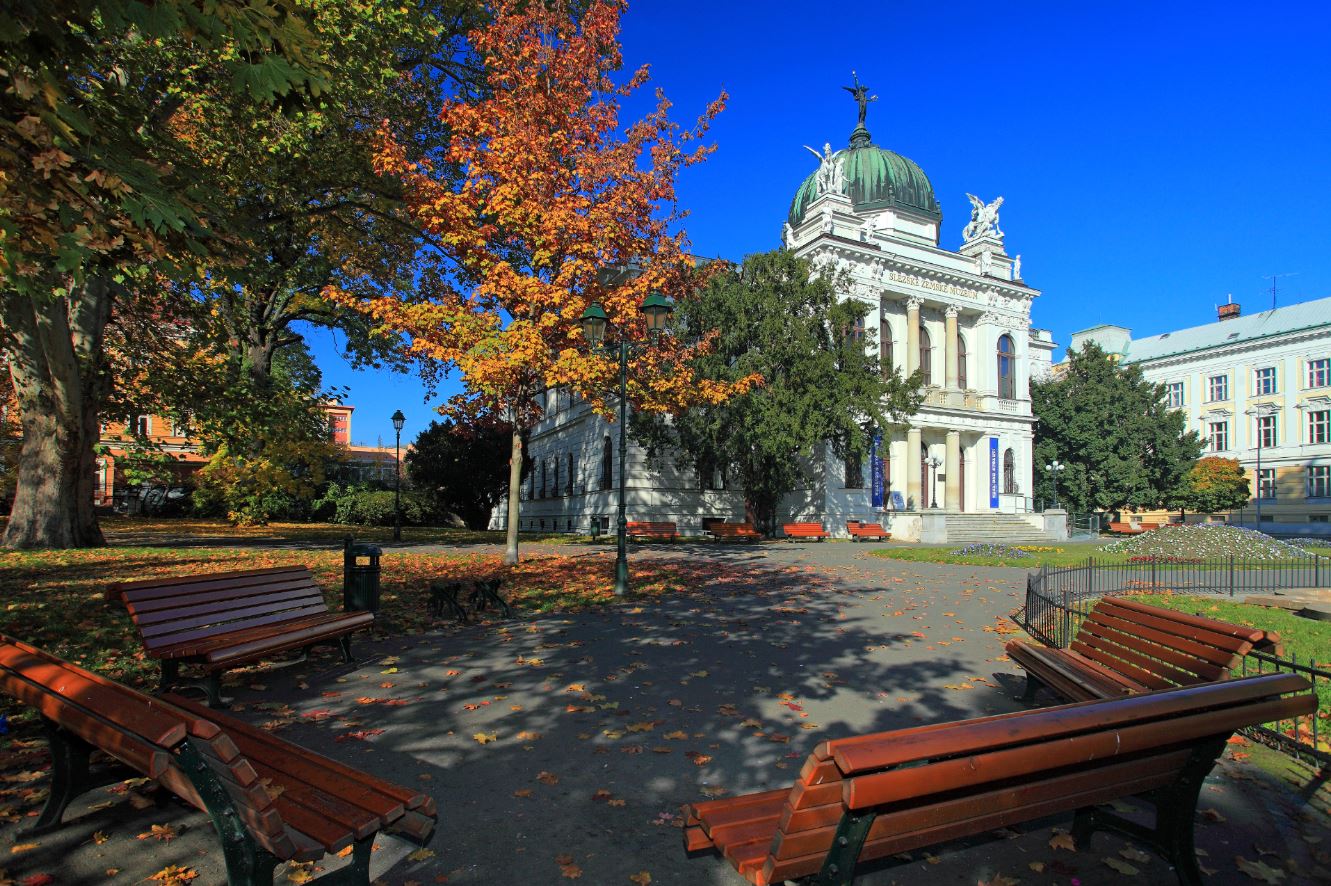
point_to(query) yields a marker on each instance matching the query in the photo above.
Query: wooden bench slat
(187, 584)
(1150, 672)
(1191, 664)
(1075, 679)
(1169, 623)
(966, 736)
(167, 609)
(327, 628)
(266, 746)
(1213, 654)
(202, 641)
(721, 810)
(1241, 632)
(211, 624)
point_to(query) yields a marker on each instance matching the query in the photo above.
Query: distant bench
(648, 529)
(859, 529)
(1125, 647)
(270, 800)
(874, 796)
(228, 619)
(741, 531)
(1129, 529)
(814, 531)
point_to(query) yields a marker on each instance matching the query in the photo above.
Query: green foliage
(462, 467)
(1213, 484)
(821, 384)
(366, 506)
(1123, 447)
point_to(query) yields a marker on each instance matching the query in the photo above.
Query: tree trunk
(514, 487)
(54, 349)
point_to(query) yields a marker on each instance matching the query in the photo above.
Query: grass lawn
(130, 529)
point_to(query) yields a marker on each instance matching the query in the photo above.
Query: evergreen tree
(462, 467)
(1122, 445)
(821, 379)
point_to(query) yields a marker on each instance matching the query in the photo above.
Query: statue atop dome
(831, 178)
(861, 93)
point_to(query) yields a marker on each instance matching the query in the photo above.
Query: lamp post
(398, 421)
(934, 462)
(657, 310)
(1257, 412)
(1053, 469)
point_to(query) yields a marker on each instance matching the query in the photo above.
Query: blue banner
(993, 472)
(876, 469)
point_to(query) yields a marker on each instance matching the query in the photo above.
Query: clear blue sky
(1153, 157)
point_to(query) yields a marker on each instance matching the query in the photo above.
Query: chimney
(1228, 311)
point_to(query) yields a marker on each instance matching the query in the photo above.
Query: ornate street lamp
(934, 462)
(1053, 469)
(657, 309)
(1259, 412)
(398, 421)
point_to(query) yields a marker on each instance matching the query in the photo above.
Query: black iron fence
(1058, 599)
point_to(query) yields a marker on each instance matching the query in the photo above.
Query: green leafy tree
(822, 385)
(1121, 444)
(97, 187)
(1213, 484)
(463, 467)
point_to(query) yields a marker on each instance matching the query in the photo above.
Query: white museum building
(1256, 388)
(961, 471)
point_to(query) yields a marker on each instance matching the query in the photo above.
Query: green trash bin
(360, 576)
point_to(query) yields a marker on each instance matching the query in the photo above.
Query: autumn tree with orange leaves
(552, 190)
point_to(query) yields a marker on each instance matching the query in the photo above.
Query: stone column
(950, 354)
(952, 458)
(913, 337)
(913, 456)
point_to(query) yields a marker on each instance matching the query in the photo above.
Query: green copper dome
(875, 178)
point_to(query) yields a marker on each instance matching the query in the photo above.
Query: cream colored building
(1250, 383)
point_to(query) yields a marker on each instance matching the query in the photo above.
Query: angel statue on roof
(984, 220)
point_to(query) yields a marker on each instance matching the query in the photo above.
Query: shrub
(363, 506)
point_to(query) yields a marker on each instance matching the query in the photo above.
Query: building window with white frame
(1319, 426)
(1007, 368)
(1217, 388)
(926, 356)
(1265, 381)
(1217, 435)
(1266, 431)
(1319, 481)
(1266, 483)
(1319, 372)
(854, 471)
(962, 380)
(1174, 395)
(885, 347)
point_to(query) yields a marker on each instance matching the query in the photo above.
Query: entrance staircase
(1007, 529)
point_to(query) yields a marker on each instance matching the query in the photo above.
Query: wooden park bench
(814, 531)
(1124, 528)
(270, 800)
(859, 529)
(1124, 647)
(448, 596)
(873, 796)
(741, 531)
(228, 619)
(648, 529)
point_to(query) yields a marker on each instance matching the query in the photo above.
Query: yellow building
(1257, 388)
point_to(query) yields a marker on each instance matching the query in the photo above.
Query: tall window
(531, 477)
(1174, 394)
(554, 490)
(545, 489)
(885, 346)
(854, 471)
(1217, 388)
(1009, 470)
(961, 362)
(569, 462)
(1266, 431)
(926, 356)
(1266, 483)
(1319, 426)
(1319, 481)
(1319, 372)
(139, 425)
(607, 464)
(1265, 379)
(1217, 434)
(1007, 368)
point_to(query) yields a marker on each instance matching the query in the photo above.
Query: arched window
(545, 489)
(854, 471)
(554, 490)
(607, 464)
(926, 356)
(570, 474)
(1009, 471)
(1007, 368)
(961, 361)
(885, 361)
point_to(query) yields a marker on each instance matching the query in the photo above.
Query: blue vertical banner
(876, 468)
(993, 472)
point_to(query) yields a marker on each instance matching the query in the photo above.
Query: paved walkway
(564, 745)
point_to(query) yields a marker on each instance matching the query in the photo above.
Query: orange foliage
(543, 190)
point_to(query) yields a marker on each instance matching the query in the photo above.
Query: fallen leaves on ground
(174, 875)
(163, 832)
(1259, 871)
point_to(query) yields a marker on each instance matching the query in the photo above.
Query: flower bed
(1203, 541)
